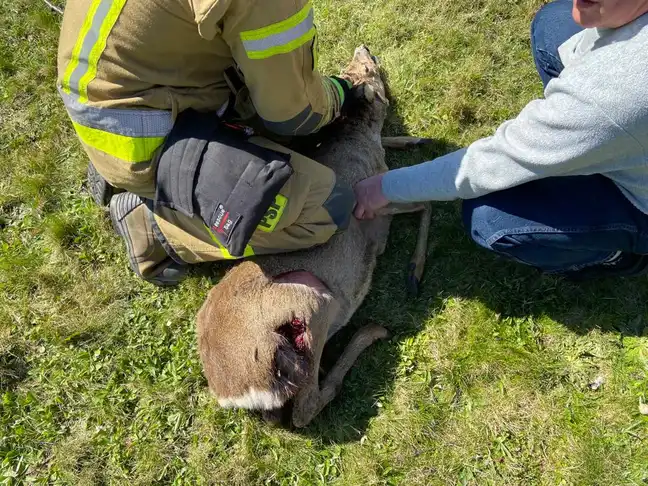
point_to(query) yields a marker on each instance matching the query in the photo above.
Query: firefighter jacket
(126, 68)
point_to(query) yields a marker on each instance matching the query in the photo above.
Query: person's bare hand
(369, 197)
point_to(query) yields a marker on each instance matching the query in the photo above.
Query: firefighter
(155, 92)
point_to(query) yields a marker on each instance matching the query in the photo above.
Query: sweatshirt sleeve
(566, 133)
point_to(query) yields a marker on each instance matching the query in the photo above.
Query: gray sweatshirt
(592, 120)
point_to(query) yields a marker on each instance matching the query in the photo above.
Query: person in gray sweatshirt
(564, 186)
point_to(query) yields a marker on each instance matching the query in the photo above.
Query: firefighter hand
(369, 197)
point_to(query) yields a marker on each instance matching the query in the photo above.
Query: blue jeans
(561, 225)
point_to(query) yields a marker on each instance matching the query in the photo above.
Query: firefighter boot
(99, 188)
(131, 219)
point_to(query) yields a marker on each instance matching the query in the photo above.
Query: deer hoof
(412, 281)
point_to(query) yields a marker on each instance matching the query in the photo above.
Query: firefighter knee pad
(209, 171)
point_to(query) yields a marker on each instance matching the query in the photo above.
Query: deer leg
(417, 264)
(360, 341)
(403, 143)
(392, 209)
(311, 402)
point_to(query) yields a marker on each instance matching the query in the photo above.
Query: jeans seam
(569, 229)
(576, 268)
(571, 268)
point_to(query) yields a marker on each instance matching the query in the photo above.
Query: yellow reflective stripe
(107, 25)
(128, 149)
(279, 27)
(273, 214)
(74, 59)
(283, 49)
(248, 252)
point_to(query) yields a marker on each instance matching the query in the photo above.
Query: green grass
(486, 380)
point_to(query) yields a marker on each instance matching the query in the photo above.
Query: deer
(262, 328)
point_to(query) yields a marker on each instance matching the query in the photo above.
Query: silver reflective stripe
(120, 121)
(88, 43)
(311, 124)
(281, 38)
(302, 124)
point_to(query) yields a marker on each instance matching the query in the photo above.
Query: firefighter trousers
(309, 209)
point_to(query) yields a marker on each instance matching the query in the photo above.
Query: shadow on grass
(514, 290)
(13, 368)
(456, 267)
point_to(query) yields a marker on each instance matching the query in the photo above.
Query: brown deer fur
(262, 328)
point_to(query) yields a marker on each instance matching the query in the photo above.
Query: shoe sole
(120, 207)
(99, 189)
(117, 214)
